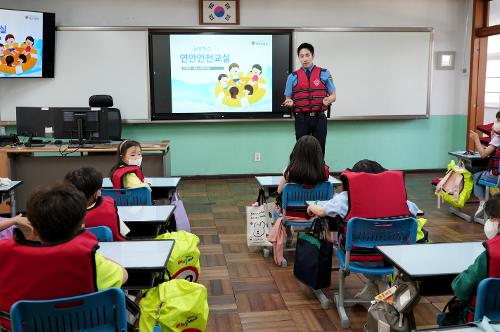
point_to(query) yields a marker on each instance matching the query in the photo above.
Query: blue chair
(102, 233)
(369, 233)
(134, 196)
(99, 311)
(488, 299)
(295, 195)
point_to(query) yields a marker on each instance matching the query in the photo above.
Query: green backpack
(176, 305)
(184, 261)
(456, 186)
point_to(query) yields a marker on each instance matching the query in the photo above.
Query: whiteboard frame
(294, 39)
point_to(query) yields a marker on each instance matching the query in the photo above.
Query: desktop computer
(81, 125)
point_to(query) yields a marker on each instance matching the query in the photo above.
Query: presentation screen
(215, 75)
(26, 43)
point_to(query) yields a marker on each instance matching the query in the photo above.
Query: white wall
(447, 17)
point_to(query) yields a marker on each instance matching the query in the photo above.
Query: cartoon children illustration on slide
(237, 90)
(15, 59)
(10, 41)
(234, 74)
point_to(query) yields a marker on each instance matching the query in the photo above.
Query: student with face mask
(493, 152)
(127, 173)
(487, 264)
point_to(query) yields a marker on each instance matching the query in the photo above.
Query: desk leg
(479, 220)
(460, 213)
(12, 203)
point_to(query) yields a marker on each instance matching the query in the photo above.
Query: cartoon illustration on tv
(16, 59)
(236, 89)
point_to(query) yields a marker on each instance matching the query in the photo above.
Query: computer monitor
(87, 125)
(34, 121)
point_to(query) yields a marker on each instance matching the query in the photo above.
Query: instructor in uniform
(309, 91)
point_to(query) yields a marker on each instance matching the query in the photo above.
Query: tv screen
(26, 43)
(218, 74)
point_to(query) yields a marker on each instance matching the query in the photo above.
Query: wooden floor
(248, 292)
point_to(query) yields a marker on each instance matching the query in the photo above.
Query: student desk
(162, 187)
(459, 328)
(270, 183)
(141, 259)
(45, 165)
(146, 221)
(473, 163)
(9, 190)
(435, 265)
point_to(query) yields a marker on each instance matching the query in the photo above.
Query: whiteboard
(378, 74)
(88, 62)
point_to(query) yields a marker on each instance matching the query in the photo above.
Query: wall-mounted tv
(27, 42)
(218, 74)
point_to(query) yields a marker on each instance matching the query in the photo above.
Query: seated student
(338, 207)
(101, 211)
(8, 225)
(127, 172)
(491, 174)
(63, 263)
(487, 264)
(306, 165)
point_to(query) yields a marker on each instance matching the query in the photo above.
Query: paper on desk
(5, 182)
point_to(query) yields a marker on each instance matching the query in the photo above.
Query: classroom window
(494, 13)
(492, 87)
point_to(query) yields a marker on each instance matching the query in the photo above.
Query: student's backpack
(395, 316)
(184, 261)
(382, 316)
(176, 305)
(455, 187)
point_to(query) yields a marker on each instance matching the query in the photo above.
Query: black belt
(310, 113)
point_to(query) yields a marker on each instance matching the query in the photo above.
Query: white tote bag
(260, 222)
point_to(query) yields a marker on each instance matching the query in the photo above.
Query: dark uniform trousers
(313, 123)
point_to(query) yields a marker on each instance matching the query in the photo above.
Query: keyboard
(78, 146)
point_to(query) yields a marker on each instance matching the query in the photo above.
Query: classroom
(209, 103)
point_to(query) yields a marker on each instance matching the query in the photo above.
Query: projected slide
(21, 40)
(221, 73)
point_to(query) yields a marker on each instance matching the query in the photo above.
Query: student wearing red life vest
(487, 264)
(127, 172)
(62, 262)
(309, 91)
(491, 173)
(101, 211)
(338, 207)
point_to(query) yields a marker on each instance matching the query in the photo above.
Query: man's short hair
(56, 212)
(86, 179)
(306, 46)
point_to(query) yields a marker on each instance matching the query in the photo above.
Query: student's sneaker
(368, 292)
(480, 209)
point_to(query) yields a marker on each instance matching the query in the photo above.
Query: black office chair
(101, 101)
(112, 116)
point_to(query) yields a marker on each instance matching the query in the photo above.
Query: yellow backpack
(176, 305)
(184, 261)
(455, 187)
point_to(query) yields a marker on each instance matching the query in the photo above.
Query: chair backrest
(368, 233)
(100, 311)
(296, 195)
(134, 196)
(488, 299)
(102, 233)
